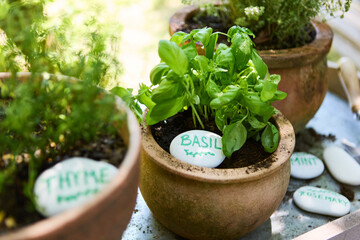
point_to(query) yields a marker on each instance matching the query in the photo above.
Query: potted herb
(48, 118)
(45, 121)
(290, 43)
(228, 91)
(34, 39)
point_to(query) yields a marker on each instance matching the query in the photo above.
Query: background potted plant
(34, 38)
(290, 43)
(228, 91)
(45, 121)
(46, 118)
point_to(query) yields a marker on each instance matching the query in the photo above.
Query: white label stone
(71, 183)
(342, 166)
(306, 166)
(321, 201)
(198, 147)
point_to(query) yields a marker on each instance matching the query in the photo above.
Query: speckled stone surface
(288, 221)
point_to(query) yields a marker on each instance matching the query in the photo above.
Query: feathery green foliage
(282, 23)
(42, 119)
(47, 115)
(33, 41)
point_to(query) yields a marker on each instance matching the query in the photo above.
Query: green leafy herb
(278, 23)
(41, 120)
(231, 86)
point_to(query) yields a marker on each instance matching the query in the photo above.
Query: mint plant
(231, 86)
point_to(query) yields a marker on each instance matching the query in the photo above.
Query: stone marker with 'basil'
(306, 166)
(198, 147)
(71, 183)
(321, 201)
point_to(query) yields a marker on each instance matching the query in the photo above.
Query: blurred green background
(140, 24)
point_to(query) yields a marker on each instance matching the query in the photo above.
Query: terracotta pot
(206, 203)
(303, 70)
(107, 215)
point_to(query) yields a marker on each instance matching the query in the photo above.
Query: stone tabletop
(288, 221)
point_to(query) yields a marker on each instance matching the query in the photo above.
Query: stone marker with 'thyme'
(71, 183)
(198, 147)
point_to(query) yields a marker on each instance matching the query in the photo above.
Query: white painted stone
(342, 166)
(306, 166)
(321, 201)
(198, 147)
(71, 183)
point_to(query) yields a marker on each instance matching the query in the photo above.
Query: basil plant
(230, 85)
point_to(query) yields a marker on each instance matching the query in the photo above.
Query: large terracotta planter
(207, 203)
(107, 215)
(303, 70)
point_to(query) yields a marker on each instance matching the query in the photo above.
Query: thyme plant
(31, 40)
(280, 23)
(45, 116)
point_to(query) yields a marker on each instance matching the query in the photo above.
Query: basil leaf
(173, 56)
(203, 63)
(178, 37)
(144, 96)
(210, 48)
(190, 51)
(259, 64)
(279, 95)
(241, 47)
(221, 47)
(255, 105)
(234, 138)
(270, 87)
(255, 123)
(225, 59)
(268, 91)
(129, 99)
(270, 138)
(166, 90)
(236, 29)
(212, 89)
(203, 36)
(228, 94)
(164, 110)
(158, 72)
(124, 94)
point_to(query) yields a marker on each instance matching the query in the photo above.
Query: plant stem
(197, 116)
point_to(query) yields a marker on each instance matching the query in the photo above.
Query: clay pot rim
(282, 58)
(231, 175)
(45, 227)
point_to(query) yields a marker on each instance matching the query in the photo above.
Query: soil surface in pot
(201, 20)
(15, 210)
(252, 153)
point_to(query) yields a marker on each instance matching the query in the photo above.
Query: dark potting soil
(251, 154)
(201, 20)
(15, 211)
(308, 140)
